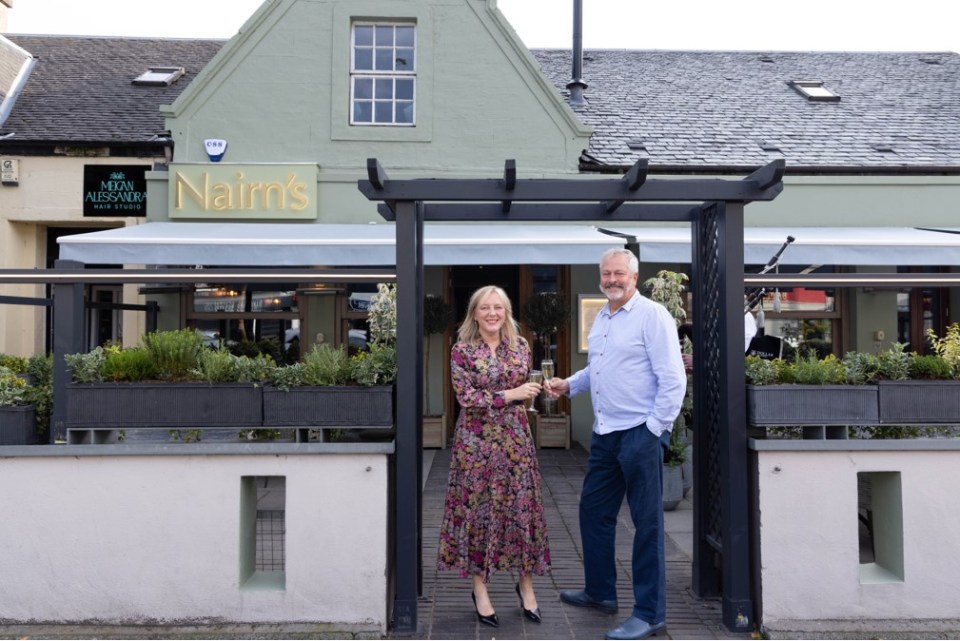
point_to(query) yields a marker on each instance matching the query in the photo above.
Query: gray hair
(619, 251)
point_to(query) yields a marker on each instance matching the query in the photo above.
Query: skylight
(159, 76)
(814, 90)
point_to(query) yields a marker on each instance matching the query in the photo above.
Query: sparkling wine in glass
(546, 366)
(536, 376)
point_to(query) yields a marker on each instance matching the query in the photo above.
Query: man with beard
(636, 381)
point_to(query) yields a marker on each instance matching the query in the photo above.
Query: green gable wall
(279, 92)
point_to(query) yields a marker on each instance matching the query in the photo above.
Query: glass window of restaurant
(805, 318)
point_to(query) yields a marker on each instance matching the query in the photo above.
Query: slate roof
(81, 87)
(682, 110)
(693, 109)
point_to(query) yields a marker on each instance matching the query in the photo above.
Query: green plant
(87, 367)
(288, 376)
(809, 370)
(13, 389)
(437, 315)
(16, 364)
(134, 364)
(931, 367)
(667, 288)
(894, 363)
(546, 314)
(861, 367)
(378, 366)
(948, 347)
(40, 391)
(326, 365)
(760, 371)
(382, 315)
(176, 353)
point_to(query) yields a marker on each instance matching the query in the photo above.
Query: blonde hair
(469, 331)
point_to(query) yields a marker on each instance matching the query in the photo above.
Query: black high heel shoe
(533, 615)
(489, 619)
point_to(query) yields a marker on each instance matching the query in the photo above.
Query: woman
(493, 517)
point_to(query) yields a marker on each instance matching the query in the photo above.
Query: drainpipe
(577, 85)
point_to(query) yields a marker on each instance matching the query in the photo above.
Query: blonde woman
(493, 516)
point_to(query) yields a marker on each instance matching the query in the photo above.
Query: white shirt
(634, 371)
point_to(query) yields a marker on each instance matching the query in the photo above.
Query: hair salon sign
(114, 190)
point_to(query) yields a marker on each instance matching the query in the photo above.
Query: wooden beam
(376, 175)
(768, 175)
(509, 182)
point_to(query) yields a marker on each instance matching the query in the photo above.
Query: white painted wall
(809, 533)
(141, 539)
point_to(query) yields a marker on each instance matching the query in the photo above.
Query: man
(636, 381)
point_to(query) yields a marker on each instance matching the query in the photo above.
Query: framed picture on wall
(588, 307)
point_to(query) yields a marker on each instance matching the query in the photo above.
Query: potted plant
(18, 424)
(331, 390)
(546, 314)
(924, 389)
(668, 288)
(173, 381)
(437, 315)
(808, 391)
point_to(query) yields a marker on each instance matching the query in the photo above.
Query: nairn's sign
(232, 191)
(114, 190)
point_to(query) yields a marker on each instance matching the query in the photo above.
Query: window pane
(404, 36)
(384, 112)
(385, 36)
(384, 89)
(384, 60)
(404, 89)
(404, 112)
(362, 88)
(404, 59)
(363, 59)
(363, 35)
(362, 111)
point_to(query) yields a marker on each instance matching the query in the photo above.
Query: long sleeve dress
(493, 516)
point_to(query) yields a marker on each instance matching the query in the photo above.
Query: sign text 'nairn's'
(238, 191)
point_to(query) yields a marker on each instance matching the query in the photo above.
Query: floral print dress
(493, 516)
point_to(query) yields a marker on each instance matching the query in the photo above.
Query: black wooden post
(68, 338)
(737, 601)
(409, 468)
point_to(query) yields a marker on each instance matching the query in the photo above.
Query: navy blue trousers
(627, 462)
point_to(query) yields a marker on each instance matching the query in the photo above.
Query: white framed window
(814, 90)
(383, 74)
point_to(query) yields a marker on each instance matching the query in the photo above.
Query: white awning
(876, 246)
(286, 245)
(291, 245)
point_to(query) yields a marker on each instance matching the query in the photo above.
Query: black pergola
(714, 209)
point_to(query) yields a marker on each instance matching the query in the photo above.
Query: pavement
(446, 612)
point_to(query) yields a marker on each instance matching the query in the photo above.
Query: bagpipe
(766, 347)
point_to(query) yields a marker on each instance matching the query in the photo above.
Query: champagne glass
(546, 366)
(536, 376)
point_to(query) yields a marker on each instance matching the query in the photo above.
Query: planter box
(919, 402)
(812, 405)
(18, 425)
(435, 431)
(174, 405)
(333, 406)
(552, 431)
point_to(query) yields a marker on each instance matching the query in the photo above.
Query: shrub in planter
(172, 381)
(17, 416)
(331, 388)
